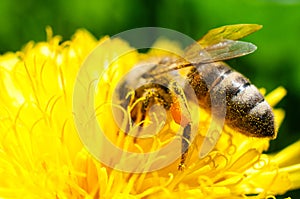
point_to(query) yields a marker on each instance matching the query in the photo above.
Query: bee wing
(217, 45)
(197, 55)
(223, 50)
(229, 32)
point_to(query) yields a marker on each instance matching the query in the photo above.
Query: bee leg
(185, 143)
(144, 107)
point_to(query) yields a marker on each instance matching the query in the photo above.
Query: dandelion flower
(41, 155)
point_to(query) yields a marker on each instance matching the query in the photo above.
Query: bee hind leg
(185, 143)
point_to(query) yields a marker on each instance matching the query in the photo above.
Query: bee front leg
(185, 143)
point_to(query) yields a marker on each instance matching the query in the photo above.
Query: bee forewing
(196, 55)
(224, 50)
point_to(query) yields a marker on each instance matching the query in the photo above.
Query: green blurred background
(275, 63)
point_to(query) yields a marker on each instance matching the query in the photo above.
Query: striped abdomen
(246, 109)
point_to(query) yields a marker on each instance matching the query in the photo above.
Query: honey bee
(246, 109)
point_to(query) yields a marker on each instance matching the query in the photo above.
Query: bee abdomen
(250, 114)
(246, 109)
